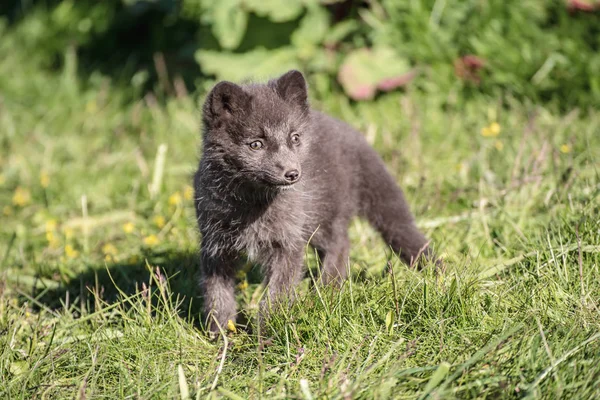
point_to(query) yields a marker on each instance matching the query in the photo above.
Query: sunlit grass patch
(98, 283)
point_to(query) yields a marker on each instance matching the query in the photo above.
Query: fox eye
(256, 145)
(295, 138)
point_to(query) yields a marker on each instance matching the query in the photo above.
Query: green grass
(98, 296)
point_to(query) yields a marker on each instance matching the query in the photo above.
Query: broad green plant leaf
(229, 23)
(276, 10)
(313, 28)
(340, 31)
(255, 64)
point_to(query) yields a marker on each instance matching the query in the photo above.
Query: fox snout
(292, 176)
(287, 174)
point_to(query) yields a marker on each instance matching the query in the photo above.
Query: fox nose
(292, 175)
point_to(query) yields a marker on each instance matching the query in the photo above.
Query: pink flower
(581, 5)
(468, 67)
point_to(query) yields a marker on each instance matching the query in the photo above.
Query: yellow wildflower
(52, 240)
(128, 227)
(565, 148)
(188, 193)
(159, 221)
(51, 225)
(495, 128)
(231, 326)
(175, 199)
(243, 285)
(151, 240)
(109, 249)
(491, 131)
(7, 210)
(499, 145)
(21, 197)
(44, 179)
(70, 251)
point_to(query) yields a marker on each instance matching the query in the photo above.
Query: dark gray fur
(245, 205)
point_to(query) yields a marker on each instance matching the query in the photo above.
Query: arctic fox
(274, 175)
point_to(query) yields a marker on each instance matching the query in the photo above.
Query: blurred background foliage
(543, 50)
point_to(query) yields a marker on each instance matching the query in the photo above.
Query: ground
(98, 294)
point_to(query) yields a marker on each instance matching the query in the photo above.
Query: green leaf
(184, 390)
(340, 31)
(229, 394)
(229, 23)
(18, 368)
(389, 322)
(313, 28)
(258, 63)
(276, 10)
(438, 376)
(384, 389)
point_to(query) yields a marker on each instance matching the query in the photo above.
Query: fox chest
(276, 228)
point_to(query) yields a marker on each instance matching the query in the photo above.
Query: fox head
(259, 132)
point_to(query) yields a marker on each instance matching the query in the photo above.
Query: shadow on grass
(112, 282)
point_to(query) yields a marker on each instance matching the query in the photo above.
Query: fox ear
(292, 88)
(225, 100)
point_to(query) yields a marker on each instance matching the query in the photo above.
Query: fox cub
(274, 175)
